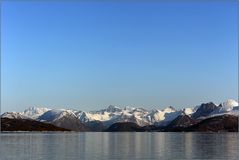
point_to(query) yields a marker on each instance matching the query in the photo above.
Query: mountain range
(204, 117)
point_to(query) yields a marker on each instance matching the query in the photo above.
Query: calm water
(61, 146)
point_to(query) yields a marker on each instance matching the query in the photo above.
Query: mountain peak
(13, 115)
(169, 109)
(128, 108)
(204, 110)
(34, 112)
(188, 111)
(112, 108)
(230, 103)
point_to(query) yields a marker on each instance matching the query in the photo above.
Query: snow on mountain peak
(162, 117)
(93, 116)
(128, 108)
(188, 111)
(34, 112)
(112, 108)
(169, 109)
(230, 103)
(56, 114)
(13, 115)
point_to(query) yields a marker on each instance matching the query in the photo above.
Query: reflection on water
(57, 146)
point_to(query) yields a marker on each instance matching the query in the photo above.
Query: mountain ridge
(99, 120)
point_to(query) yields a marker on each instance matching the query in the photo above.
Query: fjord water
(127, 145)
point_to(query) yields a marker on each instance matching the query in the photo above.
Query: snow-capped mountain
(140, 116)
(211, 110)
(13, 115)
(188, 111)
(228, 107)
(114, 114)
(73, 119)
(135, 115)
(204, 110)
(55, 114)
(34, 112)
(64, 118)
(163, 117)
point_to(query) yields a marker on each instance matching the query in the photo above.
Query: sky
(88, 55)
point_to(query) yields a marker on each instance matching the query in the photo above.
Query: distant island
(207, 117)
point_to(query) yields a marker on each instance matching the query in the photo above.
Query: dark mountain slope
(204, 110)
(224, 123)
(180, 123)
(27, 125)
(95, 126)
(63, 119)
(70, 123)
(124, 127)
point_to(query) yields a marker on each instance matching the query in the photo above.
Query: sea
(118, 145)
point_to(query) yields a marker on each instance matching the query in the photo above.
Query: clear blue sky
(90, 55)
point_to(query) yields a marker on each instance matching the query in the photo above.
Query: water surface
(130, 145)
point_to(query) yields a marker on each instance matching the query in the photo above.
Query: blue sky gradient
(88, 55)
